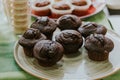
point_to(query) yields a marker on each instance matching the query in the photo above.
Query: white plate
(78, 68)
(98, 5)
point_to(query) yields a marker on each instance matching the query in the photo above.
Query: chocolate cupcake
(41, 8)
(69, 22)
(71, 41)
(81, 7)
(98, 47)
(60, 8)
(29, 39)
(91, 28)
(48, 53)
(46, 26)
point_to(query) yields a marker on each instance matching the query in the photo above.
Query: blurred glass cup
(18, 14)
(7, 37)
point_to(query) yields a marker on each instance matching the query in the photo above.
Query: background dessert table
(9, 70)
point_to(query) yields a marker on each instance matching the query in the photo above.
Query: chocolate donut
(29, 39)
(98, 47)
(48, 53)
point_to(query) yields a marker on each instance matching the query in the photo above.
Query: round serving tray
(76, 68)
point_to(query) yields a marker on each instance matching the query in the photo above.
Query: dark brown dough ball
(46, 26)
(91, 28)
(29, 39)
(71, 41)
(48, 53)
(98, 47)
(69, 22)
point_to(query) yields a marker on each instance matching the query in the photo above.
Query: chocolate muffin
(98, 47)
(29, 39)
(71, 41)
(69, 22)
(46, 26)
(48, 53)
(91, 28)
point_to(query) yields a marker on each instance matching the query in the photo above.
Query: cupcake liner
(83, 8)
(71, 48)
(40, 11)
(80, 12)
(45, 12)
(62, 11)
(57, 13)
(28, 51)
(97, 56)
(46, 63)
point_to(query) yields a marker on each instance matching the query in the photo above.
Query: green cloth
(9, 70)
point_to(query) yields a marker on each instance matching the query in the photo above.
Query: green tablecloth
(9, 70)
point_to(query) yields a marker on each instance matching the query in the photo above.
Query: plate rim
(20, 65)
(85, 16)
(40, 77)
(102, 7)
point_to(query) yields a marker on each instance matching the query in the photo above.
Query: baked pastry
(48, 53)
(60, 8)
(29, 39)
(90, 28)
(41, 8)
(98, 47)
(46, 26)
(69, 22)
(81, 6)
(71, 41)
